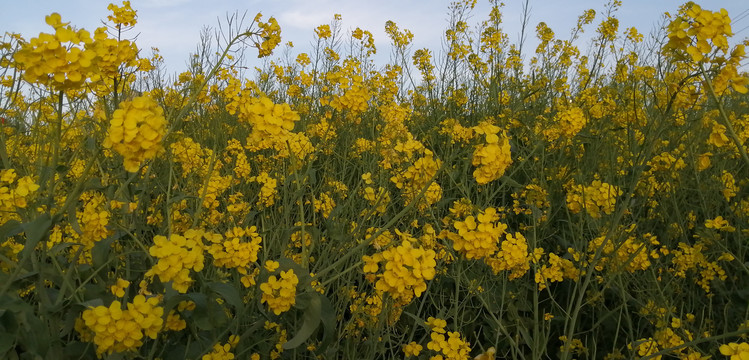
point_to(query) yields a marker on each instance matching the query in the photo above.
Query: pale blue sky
(174, 25)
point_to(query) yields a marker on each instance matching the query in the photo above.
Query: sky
(174, 26)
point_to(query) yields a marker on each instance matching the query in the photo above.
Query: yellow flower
(270, 32)
(177, 256)
(238, 249)
(493, 158)
(719, 224)
(437, 325)
(118, 289)
(596, 198)
(737, 351)
(119, 330)
(122, 16)
(280, 293)
(703, 161)
(219, 352)
(136, 130)
(323, 31)
(174, 322)
(487, 355)
(406, 270)
(271, 265)
(412, 349)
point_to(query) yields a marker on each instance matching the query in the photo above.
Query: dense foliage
(491, 201)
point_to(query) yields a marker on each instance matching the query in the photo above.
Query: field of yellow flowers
(586, 203)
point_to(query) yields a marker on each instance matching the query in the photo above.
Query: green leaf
(78, 350)
(328, 317)
(507, 180)
(73, 220)
(92, 303)
(35, 231)
(10, 228)
(100, 251)
(312, 173)
(312, 317)
(172, 300)
(216, 315)
(201, 315)
(228, 293)
(90, 144)
(178, 198)
(6, 342)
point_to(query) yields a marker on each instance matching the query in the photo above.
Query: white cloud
(156, 4)
(303, 20)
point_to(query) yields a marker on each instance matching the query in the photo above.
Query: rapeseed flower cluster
(645, 347)
(268, 192)
(532, 200)
(354, 93)
(694, 27)
(116, 330)
(405, 270)
(213, 189)
(324, 205)
(93, 219)
(599, 197)
(190, 155)
(174, 322)
(729, 76)
(422, 59)
(70, 57)
(136, 130)
(557, 270)
(513, 256)
(366, 40)
(60, 60)
(382, 240)
(237, 249)
(270, 32)
(633, 254)
(365, 310)
(177, 255)
(412, 349)
(271, 123)
(235, 153)
(567, 123)
(282, 337)
(400, 39)
(449, 345)
(122, 15)
(14, 193)
(477, 237)
(418, 176)
(296, 146)
(493, 158)
(280, 292)
(223, 351)
(113, 56)
(378, 199)
(456, 131)
(729, 185)
(323, 31)
(688, 259)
